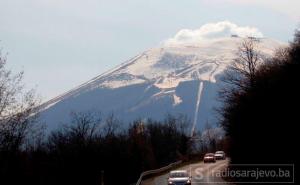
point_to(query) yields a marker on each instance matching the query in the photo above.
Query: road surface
(202, 173)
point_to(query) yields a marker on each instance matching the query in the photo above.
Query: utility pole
(102, 177)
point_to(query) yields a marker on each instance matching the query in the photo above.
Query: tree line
(90, 150)
(260, 104)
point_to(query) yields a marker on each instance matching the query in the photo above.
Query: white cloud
(213, 31)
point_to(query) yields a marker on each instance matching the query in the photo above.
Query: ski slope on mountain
(174, 78)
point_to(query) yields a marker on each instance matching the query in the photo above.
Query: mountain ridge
(158, 75)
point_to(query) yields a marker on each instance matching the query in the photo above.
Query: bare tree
(16, 109)
(83, 130)
(111, 126)
(241, 72)
(211, 137)
(85, 125)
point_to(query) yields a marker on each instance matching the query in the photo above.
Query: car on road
(209, 158)
(179, 177)
(220, 155)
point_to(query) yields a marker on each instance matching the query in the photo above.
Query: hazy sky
(63, 43)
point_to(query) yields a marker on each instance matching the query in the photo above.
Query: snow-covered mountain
(178, 78)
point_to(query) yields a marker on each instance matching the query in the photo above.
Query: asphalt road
(202, 173)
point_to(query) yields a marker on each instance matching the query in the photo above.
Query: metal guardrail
(150, 172)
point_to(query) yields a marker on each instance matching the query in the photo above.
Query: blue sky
(63, 43)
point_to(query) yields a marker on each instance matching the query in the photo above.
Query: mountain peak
(173, 78)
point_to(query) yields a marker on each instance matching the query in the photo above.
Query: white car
(209, 158)
(220, 155)
(179, 177)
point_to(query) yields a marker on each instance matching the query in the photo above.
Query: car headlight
(188, 181)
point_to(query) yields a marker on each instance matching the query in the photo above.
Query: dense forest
(261, 100)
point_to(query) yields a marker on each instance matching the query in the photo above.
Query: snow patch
(197, 107)
(177, 100)
(169, 83)
(120, 83)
